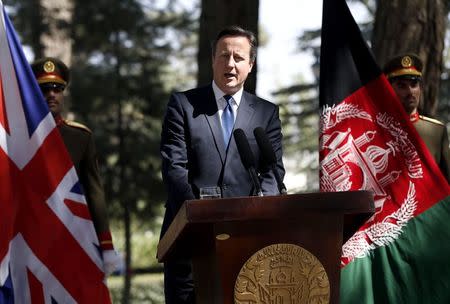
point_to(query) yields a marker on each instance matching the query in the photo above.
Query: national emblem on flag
(400, 255)
(49, 251)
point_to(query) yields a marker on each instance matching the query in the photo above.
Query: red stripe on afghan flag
(368, 143)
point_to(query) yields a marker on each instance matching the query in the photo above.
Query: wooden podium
(223, 234)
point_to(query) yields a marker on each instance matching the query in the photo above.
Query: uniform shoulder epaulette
(431, 120)
(77, 125)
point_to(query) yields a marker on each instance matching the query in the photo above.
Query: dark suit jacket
(194, 154)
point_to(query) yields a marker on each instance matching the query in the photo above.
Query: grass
(145, 288)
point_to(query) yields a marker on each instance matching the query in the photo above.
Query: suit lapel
(245, 113)
(244, 118)
(216, 129)
(212, 117)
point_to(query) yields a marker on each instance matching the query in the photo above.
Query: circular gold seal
(407, 62)
(282, 273)
(49, 66)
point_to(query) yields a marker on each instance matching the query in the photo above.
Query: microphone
(247, 158)
(269, 156)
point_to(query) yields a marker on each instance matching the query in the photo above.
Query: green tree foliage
(125, 46)
(299, 106)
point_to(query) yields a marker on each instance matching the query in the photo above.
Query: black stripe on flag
(346, 62)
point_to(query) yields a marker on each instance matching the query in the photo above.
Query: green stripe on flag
(413, 269)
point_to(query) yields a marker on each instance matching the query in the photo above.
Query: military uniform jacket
(80, 145)
(434, 134)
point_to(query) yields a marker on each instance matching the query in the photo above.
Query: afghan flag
(402, 253)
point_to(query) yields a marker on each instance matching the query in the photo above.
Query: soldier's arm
(95, 195)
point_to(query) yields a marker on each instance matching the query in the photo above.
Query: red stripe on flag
(48, 166)
(36, 290)
(3, 117)
(9, 201)
(78, 209)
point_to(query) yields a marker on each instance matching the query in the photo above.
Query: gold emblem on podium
(282, 273)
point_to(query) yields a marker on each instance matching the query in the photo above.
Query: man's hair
(237, 31)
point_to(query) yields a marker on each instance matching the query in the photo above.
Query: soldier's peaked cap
(404, 66)
(50, 70)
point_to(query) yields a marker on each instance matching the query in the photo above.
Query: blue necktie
(227, 120)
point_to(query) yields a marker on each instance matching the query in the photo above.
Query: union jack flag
(49, 251)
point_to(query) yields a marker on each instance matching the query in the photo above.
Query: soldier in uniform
(53, 76)
(405, 75)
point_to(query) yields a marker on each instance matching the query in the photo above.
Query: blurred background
(127, 56)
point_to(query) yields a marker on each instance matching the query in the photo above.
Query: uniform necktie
(227, 120)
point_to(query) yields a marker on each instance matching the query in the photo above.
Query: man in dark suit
(404, 72)
(53, 76)
(197, 148)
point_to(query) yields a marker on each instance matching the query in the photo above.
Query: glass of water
(210, 192)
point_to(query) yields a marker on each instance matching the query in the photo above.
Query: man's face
(54, 95)
(231, 63)
(408, 90)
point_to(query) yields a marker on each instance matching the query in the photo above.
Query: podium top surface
(358, 205)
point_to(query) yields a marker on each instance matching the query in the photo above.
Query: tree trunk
(122, 163)
(416, 26)
(57, 17)
(217, 14)
(36, 28)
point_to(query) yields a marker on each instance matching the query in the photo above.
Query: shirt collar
(218, 94)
